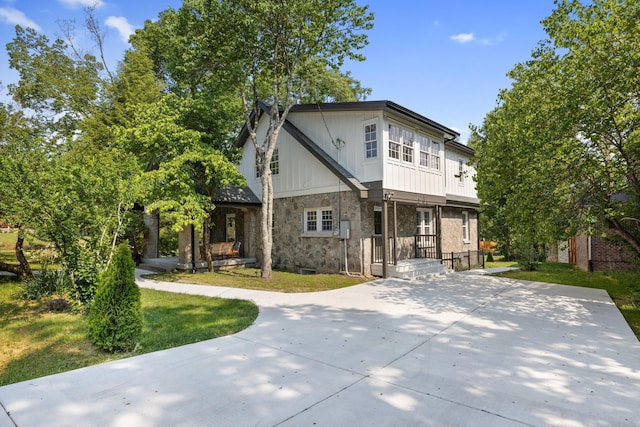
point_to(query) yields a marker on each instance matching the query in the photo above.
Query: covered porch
(167, 264)
(407, 242)
(233, 225)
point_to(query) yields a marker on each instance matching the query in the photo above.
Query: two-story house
(362, 187)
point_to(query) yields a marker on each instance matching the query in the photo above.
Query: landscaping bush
(45, 283)
(115, 318)
(490, 257)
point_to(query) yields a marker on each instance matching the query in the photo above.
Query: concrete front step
(413, 268)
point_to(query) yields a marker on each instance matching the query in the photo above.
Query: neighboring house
(361, 187)
(592, 253)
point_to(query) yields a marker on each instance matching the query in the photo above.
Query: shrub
(44, 284)
(115, 318)
(489, 257)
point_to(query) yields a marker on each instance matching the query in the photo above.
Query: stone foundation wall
(293, 250)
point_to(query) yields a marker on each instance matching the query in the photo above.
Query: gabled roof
(327, 160)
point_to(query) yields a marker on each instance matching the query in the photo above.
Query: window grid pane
(370, 141)
(327, 220)
(435, 155)
(312, 221)
(395, 138)
(424, 150)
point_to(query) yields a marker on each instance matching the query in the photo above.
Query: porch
(422, 259)
(166, 264)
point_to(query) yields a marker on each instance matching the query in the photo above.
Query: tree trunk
(266, 179)
(23, 269)
(617, 229)
(206, 239)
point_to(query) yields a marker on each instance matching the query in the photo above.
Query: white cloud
(82, 3)
(17, 17)
(121, 25)
(462, 37)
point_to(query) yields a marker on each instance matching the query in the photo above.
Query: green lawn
(36, 343)
(249, 278)
(619, 284)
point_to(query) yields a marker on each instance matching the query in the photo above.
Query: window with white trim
(460, 174)
(370, 141)
(423, 142)
(395, 138)
(435, 155)
(407, 146)
(465, 226)
(318, 221)
(275, 163)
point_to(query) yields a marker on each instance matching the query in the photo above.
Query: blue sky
(446, 60)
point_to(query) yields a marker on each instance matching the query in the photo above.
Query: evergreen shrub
(115, 317)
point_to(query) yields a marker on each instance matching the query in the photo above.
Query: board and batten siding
(348, 127)
(465, 186)
(300, 173)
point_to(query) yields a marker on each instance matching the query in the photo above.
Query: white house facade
(359, 188)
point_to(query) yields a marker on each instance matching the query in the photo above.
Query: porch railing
(425, 246)
(376, 250)
(468, 260)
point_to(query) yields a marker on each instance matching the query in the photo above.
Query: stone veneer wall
(293, 251)
(451, 230)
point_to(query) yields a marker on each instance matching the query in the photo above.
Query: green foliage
(46, 283)
(489, 257)
(115, 318)
(561, 151)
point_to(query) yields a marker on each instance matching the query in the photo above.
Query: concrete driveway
(455, 350)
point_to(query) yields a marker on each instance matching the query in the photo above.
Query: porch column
(385, 238)
(395, 234)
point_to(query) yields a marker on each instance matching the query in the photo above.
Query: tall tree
(561, 151)
(279, 50)
(229, 55)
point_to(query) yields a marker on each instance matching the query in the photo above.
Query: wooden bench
(224, 249)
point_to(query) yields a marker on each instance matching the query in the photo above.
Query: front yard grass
(619, 284)
(249, 278)
(36, 343)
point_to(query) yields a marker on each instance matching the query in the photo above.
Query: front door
(425, 233)
(424, 222)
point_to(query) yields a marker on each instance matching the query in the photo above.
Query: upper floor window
(407, 146)
(318, 221)
(435, 155)
(275, 163)
(423, 141)
(370, 141)
(460, 174)
(395, 138)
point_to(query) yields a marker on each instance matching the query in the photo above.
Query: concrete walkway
(454, 350)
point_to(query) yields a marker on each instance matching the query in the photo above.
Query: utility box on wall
(345, 229)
